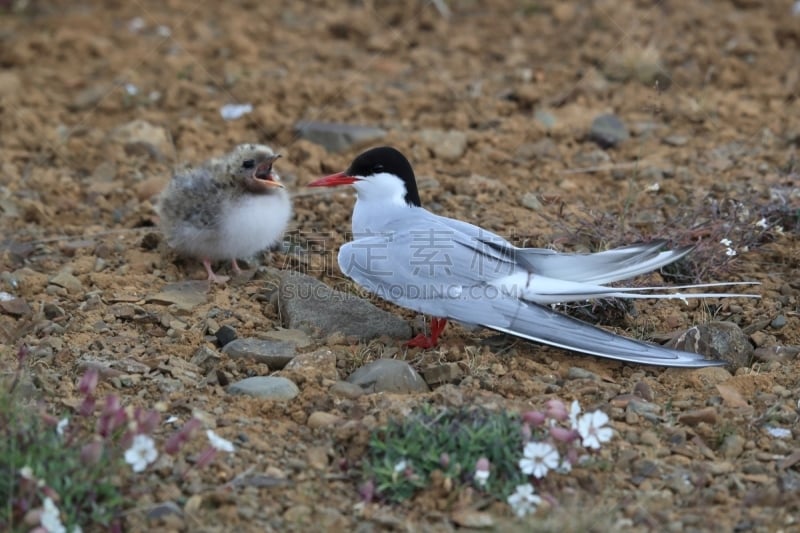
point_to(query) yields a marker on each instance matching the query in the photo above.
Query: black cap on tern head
(391, 161)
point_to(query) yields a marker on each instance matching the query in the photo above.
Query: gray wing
(432, 268)
(540, 324)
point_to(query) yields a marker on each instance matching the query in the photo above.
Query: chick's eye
(250, 163)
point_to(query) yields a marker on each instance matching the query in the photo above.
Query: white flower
(564, 467)
(401, 466)
(51, 518)
(539, 458)
(62, 426)
(481, 477)
(218, 443)
(574, 411)
(592, 431)
(730, 252)
(141, 453)
(726, 242)
(523, 501)
(762, 223)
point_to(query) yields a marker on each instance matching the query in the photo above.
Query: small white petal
(219, 443)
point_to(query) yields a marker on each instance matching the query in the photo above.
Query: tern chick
(227, 208)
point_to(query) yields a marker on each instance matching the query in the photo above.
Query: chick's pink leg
(235, 265)
(211, 276)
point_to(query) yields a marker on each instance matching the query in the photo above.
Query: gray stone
(186, 295)
(68, 281)
(444, 373)
(388, 375)
(308, 304)
(445, 145)
(531, 201)
(274, 354)
(343, 389)
(592, 158)
(142, 137)
(717, 340)
(676, 140)
(317, 365)
(336, 137)
(267, 387)
(778, 322)
(225, 335)
(608, 131)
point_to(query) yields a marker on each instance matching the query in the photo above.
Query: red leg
(425, 342)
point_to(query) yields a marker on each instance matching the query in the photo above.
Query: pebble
(717, 340)
(531, 201)
(274, 354)
(306, 303)
(68, 281)
(347, 390)
(446, 145)
(388, 375)
(142, 137)
(321, 419)
(608, 131)
(224, 335)
(696, 416)
(676, 140)
(337, 137)
(317, 365)
(576, 372)
(266, 387)
(444, 373)
(186, 295)
(778, 322)
(732, 446)
(466, 517)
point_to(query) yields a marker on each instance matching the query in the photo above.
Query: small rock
(298, 514)
(141, 137)
(274, 354)
(676, 140)
(776, 353)
(205, 358)
(267, 387)
(321, 419)
(445, 145)
(472, 519)
(644, 391)
(315, 365)
(692, 418)
(716, 340)
(337, 137)
(294, 336)
(162, 510)
(531, 201)
(68, 281)
(317, 457)
(186, 295)
(591, 159)
(388, 375)
(545, 118)
(608, 131)
(305, 302)
(225, 335)
(445, 373)
(15, 306)
(576, 372)
(732, 446)
(778, 322)
(347, 390)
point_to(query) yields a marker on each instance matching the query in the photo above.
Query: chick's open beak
(264, 174)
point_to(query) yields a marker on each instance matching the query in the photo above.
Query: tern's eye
(377, 169)
(250, 163)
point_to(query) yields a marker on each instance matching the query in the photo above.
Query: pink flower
(88, 382)
(556, 409)
(534, 418)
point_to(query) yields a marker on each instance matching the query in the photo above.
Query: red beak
(340, 178)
